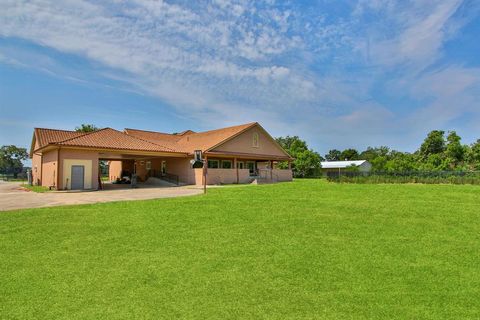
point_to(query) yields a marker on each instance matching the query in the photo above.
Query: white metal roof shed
(341, 164)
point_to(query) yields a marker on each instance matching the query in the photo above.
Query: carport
(73, 162)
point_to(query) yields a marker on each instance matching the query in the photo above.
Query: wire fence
(11, 177)
(428, 177)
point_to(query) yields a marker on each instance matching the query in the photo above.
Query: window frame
(226, 161)
(213, 160)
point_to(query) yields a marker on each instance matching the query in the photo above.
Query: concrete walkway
(12, 196)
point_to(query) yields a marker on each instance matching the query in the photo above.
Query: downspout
(236, 168)
(41, 170)
(58, 169)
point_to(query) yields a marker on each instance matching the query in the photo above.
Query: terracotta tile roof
(188, 141)
(141, 140)
(109, 138)
(165, 139)
(47, 136)
(209, 139)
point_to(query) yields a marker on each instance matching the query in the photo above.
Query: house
(70, 160)
(339, 166)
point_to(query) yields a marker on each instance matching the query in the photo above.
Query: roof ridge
(249, 124)
(170, 134)
(38, 128)
(150, 142)
(120, 132)
(84, 134)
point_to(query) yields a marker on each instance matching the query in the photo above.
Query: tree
(401, 162)
(349, 154)
(292, 143)
(86, 128)
(306, 160)
(434, 143)
(473, 156)
(11, 158)
(372, 153)
(333, 155)
(455, 151)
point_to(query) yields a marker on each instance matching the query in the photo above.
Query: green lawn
(38, 189)
(302, 250)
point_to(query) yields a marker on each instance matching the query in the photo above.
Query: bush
(427, 177)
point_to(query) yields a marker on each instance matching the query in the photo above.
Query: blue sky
(337, 73)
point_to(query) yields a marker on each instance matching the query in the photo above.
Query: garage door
(78, 174)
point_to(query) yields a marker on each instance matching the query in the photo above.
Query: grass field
(302, 250)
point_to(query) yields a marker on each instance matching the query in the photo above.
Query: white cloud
(411, 33)
(227, 61)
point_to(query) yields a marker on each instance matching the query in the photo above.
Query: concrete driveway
(12, 196)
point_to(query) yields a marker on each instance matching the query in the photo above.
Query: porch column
(236, 168)
(205, 167)
(289, 165)
(270, 164)
(57, 178)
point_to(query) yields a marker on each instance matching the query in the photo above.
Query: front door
(78, 174)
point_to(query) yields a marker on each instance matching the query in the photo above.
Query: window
(226, 164)
(240, 165)
(213, 164)
(148, 165)
(255, 140)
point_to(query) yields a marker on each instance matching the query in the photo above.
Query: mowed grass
(302, 250)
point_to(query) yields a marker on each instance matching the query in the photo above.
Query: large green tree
(434, 144)
(349, 154)
(307, 161)
(333, 155)
(455, 152)
(473, 155)
(11, 158)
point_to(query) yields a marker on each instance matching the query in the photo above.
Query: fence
(428, 177)
(11, 177)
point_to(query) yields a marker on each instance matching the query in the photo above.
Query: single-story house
(339, 166)
(66, 160)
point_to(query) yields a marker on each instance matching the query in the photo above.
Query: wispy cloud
(224, 62)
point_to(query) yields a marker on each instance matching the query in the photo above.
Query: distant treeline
(440, 151)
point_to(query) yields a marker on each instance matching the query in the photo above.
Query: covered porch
(149, 170)
(224, 168)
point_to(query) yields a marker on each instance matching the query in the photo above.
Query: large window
(213, 164)
(226, 164)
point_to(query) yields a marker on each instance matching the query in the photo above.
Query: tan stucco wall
(37, 169)
(67, 172)
(178, 166)
(182, 168)
(78, 157)
(283, 174)
(223, 176)
(49, 168)
(244, 144)
(114, 169)
(198, 176)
